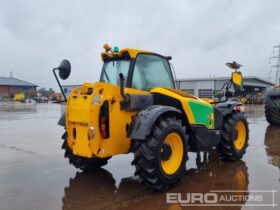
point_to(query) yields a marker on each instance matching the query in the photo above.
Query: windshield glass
(151, 71)
(112, 69)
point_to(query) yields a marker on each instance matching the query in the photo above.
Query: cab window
(151, 71)
(112, 69)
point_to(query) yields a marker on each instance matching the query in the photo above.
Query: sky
(201, 36)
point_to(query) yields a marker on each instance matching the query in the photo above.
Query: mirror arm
(227, 87)
(227, 84)
(62, 92)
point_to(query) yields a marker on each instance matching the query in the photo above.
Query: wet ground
(35, 175)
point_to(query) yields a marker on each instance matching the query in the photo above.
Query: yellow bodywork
(237, 80)
(82, 114)
(186, 99)
(132, 53)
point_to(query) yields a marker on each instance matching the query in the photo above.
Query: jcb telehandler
(135, 107)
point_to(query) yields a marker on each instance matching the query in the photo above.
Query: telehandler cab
(135, 107)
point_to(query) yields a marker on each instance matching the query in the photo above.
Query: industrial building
(203, 87)
(9, 86)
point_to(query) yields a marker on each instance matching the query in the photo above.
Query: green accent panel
(201, 113)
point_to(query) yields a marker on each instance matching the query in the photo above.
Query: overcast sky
(200, 35)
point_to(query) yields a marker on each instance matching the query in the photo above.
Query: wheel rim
(176, 149)
(240, 136)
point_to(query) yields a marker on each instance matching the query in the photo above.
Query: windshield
(151, 71)
(112, 69)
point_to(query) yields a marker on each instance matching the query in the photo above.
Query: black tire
(227, 148)
(148, 155)
(82, 163)
(272, 110)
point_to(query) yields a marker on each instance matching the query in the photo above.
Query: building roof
(224, 78)
(11, 81)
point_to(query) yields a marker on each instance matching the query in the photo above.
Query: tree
(43, 92)
(50, 91)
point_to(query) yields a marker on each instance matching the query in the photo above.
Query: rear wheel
(82, 163)
(235, 136)
(272, 110)
(160, 160)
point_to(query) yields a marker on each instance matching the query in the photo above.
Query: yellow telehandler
(135, 107)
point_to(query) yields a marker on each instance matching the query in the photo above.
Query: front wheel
(160, 160)
(235, 136)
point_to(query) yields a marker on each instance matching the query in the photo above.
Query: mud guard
(228, 107)
(62, 120)
(143, 122)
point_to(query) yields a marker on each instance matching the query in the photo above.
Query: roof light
(116, 50)
(107, 47)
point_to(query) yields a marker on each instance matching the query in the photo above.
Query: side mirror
(237, 81)
(233, 65)
(218, 93)
(64, 69)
